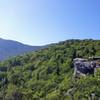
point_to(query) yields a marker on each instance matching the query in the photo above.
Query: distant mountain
(9, 48)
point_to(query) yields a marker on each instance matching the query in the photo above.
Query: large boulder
(83, 66)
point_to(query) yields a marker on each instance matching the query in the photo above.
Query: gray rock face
(83, 66)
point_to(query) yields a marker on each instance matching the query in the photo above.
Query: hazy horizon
(45, 44)
(40, 22)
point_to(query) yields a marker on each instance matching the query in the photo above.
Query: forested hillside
(48, 74)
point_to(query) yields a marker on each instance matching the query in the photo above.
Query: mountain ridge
(10, 48)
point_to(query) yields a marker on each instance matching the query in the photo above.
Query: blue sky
(39, 22)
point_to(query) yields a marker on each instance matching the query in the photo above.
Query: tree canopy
(47, 74)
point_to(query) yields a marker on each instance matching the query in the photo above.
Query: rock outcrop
(84, 66)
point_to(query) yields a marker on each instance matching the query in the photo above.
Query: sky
(40, 22)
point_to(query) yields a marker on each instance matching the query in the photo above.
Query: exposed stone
(84, 67)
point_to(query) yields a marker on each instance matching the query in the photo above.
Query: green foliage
(48, 73)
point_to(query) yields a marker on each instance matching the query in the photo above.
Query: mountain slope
(48, 74)
(9, 48)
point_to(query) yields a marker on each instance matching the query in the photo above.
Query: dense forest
(47, 74)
